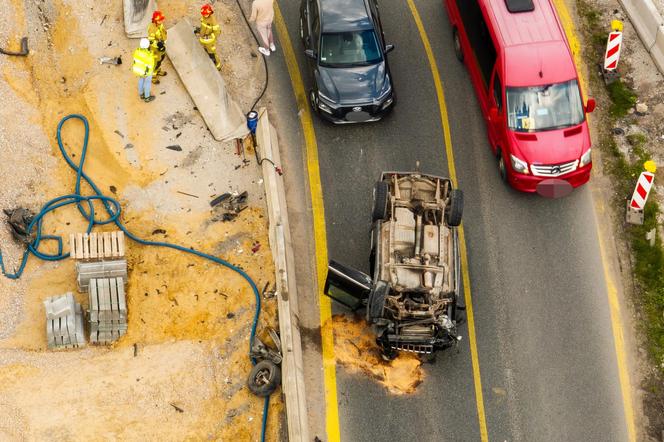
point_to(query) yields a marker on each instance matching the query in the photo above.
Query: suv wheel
(457, 45)
(313, 99)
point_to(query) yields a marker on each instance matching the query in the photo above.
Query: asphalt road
(546, 351)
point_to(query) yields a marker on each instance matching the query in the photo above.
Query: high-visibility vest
(143, 62)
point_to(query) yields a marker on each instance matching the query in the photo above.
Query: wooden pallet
(95, 246)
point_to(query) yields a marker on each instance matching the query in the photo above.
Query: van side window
(498, 92)
(479, 37)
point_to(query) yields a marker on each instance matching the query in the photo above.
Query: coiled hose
(85, 205)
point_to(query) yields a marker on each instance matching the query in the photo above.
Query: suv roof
(532, 35)
(344, 15)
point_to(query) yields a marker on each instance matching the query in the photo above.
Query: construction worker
(208, 33)
(143, 67)
(157, 36)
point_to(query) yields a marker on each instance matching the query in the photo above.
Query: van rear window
(547, 107)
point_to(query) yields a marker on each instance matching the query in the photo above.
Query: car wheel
(457, 45)
(381, 198)
(454, 209)
(502, 169)
(264, 378)
(313, 99)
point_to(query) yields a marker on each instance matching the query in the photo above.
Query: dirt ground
(189, 320)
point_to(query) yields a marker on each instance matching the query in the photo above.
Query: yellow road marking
(479, 398)
(611, 291)
(320, 239)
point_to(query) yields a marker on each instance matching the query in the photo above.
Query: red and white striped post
(613, 45)
(612, 53)
(637, 203)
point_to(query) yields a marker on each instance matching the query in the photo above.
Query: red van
(524, 75)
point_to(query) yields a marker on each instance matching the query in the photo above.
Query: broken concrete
(204, 83)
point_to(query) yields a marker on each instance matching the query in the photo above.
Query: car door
(346, 285)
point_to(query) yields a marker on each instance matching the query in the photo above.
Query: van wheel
(457, 44)
(454, 209)
(502, 169)
(381, 198)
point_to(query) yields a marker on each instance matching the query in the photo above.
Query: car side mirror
(388, 48)
(493, 114)
(590, 105)
(310, 53)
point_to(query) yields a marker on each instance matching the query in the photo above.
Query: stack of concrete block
(64, 322)
(98, 255)
(108, 310)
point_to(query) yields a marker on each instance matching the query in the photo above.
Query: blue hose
(113, 209)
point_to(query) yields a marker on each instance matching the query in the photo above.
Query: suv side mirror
(590, 105)
(493, 114)
(310, 53)
(388, 48)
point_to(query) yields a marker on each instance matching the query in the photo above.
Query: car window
(552, 106)
(498, 92)
(359, 48)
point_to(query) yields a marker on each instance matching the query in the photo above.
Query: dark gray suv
(345, 46)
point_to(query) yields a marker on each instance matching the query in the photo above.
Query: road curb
(287, 301)
(649, 24)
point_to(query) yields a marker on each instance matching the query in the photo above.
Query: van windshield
(343, 49)
(539, 108)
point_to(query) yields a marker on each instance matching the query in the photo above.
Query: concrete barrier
(282, 250)
(204, 83)
(657, 51)
(649, 24)
(137, 17)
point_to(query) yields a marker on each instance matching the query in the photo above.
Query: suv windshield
(358, 48)
(553, 106)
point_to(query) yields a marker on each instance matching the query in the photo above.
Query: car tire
(502, 167)
(264, 378)
(454, 209)
(381, 198)
(313, 99)
(457, 44)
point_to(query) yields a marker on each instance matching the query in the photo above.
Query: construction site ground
(180, 372)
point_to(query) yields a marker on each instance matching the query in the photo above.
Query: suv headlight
(519, 165)
(322, 105)
(586, 158)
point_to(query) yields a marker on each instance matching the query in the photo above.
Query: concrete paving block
(204, 83)
(137, 17)
(103, 269)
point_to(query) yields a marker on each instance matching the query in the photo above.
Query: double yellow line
(318, 213)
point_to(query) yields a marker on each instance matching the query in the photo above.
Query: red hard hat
(206, 10)
(157, 16)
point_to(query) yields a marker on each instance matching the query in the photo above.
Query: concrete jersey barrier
(137, 17)
(204, 83)
(649, 25)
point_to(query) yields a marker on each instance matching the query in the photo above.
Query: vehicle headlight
(586, 158)
(321, 104)
(519, 165)
(386, 103)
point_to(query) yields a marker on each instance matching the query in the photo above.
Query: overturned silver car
(412, 295)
